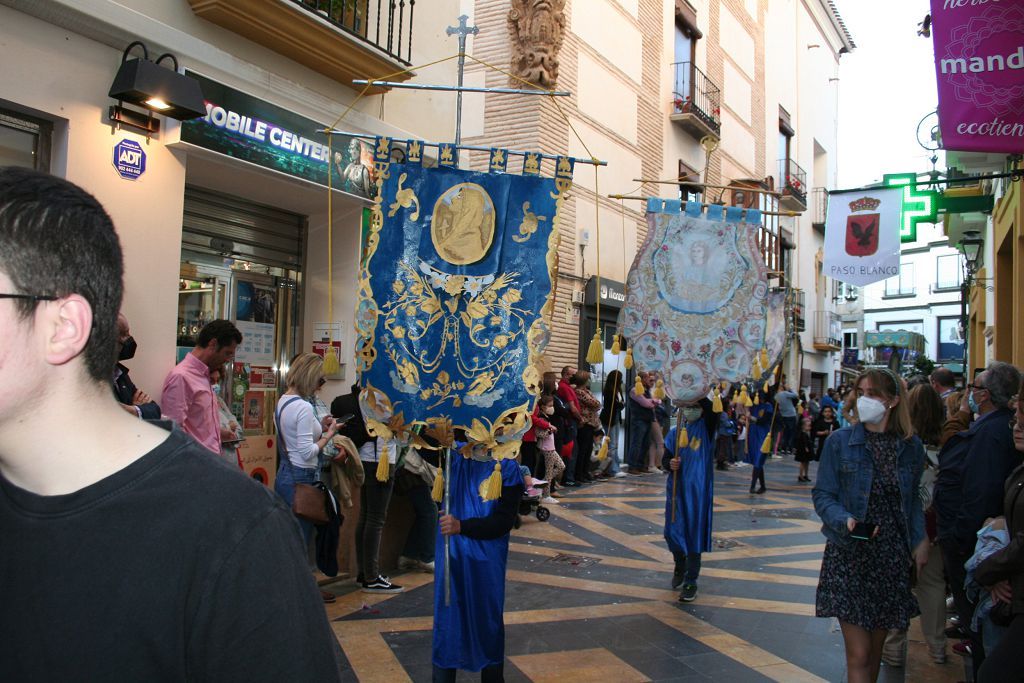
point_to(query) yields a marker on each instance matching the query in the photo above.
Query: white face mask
(870, 410)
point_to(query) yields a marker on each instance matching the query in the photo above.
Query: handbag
(310, 503)
(310, 500)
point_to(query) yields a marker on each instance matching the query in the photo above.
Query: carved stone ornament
(536, 28)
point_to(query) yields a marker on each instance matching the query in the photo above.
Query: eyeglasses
(29, 297)
(320, 382)
(977, 387)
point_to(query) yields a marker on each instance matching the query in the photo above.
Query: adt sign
(129, 159)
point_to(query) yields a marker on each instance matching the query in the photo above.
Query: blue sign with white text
(129, 159)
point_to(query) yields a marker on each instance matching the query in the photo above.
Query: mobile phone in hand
(343, 419)
(863, 531)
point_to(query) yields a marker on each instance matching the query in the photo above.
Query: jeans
(288, 475)
(636, 455)
(373, 509)
(419, 544)
(690, 564)
(489, 674)
(953, 563)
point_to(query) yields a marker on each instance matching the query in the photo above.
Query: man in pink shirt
(187, 396)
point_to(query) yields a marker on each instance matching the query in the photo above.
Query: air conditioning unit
(577, 297)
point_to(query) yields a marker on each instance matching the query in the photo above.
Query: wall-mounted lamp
(155, 88)
(971, 244)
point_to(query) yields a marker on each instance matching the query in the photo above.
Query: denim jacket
(844, 484)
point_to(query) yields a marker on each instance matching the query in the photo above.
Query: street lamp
(970, 244)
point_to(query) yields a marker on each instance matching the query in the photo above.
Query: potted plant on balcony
(682, 104)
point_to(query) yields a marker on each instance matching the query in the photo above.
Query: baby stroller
(529, 504)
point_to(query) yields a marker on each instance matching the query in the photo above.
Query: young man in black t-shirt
(125, 553)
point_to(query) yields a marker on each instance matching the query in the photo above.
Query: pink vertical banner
(979, 64)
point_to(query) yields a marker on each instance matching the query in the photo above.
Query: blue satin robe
(469, 634)
(695, 489)
(757, 429)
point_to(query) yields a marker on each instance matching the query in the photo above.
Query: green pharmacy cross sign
(919, 205)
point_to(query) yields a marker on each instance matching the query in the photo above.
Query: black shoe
(956, 633)
(381, 584)
(689, 593)
(761, 490)
(677, 575)
(751, 488)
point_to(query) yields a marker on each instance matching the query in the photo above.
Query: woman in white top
(300, 436)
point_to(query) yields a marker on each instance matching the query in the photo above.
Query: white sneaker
(548, 500)
(407, 563)
(427, 567)
(619, 475)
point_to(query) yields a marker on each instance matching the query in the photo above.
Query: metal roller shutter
(221, 224)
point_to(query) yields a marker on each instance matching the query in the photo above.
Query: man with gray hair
(973, 466)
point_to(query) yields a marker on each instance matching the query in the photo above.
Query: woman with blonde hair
(866, 495)
(300, 436)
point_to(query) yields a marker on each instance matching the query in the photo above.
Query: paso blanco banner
(862, 235)
(979, 65)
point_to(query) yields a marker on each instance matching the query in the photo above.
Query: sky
(886, 86)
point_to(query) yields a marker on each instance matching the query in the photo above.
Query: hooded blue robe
(695, 489)
(758, 424)
(469, 633)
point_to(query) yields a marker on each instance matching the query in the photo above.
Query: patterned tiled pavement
(588, 597)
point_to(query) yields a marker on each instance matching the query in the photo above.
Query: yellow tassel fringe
(437, 493)
(716, 403)
(695, 445)
(756, 370)
(384, 464)
(331, 365)
(766, 446)
(595, 354)
(616, 346)
(764, 357)
(659, 389)
(638, 386)
(629, 359)
(757, 399)
(602, 453)
(491, 490)
(684, 439)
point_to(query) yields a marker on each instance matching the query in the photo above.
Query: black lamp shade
(140, 80)
(971, 244)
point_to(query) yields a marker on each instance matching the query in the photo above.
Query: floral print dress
(867, 583)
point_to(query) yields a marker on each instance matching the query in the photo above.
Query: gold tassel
(595, 354)
(767, 386)
(437, 493)
(764, 357)
(716, 403)
(491, 490)
(602, 453)
(766, 446)
(384, 464)
(659, 389)
(756, 371)
(684, 439)
(629, 358)
(800, 408)
(747, 402)
(331, 365)
(638, 386)
(695, 445)
(616, 346)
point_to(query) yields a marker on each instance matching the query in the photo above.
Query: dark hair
(926, 413)
(544, 399)
(223, 331)
(580, 378)
(57, 241)
(943, 377)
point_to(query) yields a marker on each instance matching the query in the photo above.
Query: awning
(901, 339)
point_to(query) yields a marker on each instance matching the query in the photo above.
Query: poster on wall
(255, 303)
(253, 410)
(257, 347)
(951, 339)
(979, 55)
(862, 235)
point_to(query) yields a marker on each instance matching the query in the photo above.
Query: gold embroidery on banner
(530, 223)
(404, 198)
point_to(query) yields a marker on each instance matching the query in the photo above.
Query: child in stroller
(530, 503)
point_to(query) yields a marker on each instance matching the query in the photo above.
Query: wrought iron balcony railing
(384, 24)
(793, 181)
(695, 94)
(819, 206)
(828, 331)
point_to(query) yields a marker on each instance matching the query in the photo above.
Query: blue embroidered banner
(456, 297)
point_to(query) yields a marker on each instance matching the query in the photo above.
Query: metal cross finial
(462, 30)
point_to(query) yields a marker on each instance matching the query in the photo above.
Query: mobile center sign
(979, 65)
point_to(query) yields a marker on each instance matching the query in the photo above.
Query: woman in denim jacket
(870, 472)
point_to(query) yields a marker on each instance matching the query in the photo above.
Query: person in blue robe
(758, 426)
(689, 490)
(469, 633)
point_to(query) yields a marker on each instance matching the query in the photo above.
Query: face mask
(972, 404)
(691, 414)
(128, 348)
(549, 411)
(870, 410)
